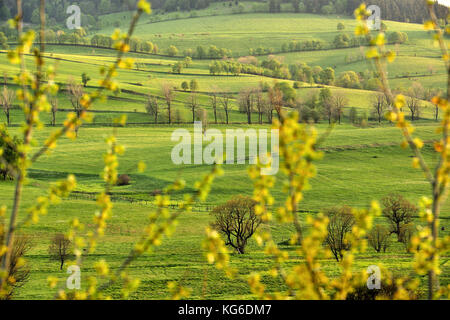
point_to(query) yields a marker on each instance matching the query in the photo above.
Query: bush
(388, 290)
(379, 238)
(341, 223)
(123, 180)
(237, 221)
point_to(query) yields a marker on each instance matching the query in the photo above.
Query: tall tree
(169, 95)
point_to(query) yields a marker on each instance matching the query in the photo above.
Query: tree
(326, 102)
(3, 41)
(10, 154)
(399, 212)
(85, 79)
(379, 106)
(406, 233)
(353, 115)
(6, 99)
(169, 95)
(152, 107)
(75, 92)
(237, 221)
(172, 51)
(378, 238)
(192, 104)
(177, 67)
(339, 102)
(60, 248)
(246, 103)
(413, 102)
(340, 224)
(194, 85)
(17, 270)
(275, 101)
(225, 101)
(213, 97)
(340, 26)
(54, 110)
(187, 62)
(185, 85)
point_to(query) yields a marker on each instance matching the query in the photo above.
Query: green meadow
(360, 163)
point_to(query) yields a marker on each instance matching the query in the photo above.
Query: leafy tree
(85, 79)
(237, 221)
(185, 85)
(10, 155)
(340, 26)
(194, 85)
(6, 100)
(172, 51)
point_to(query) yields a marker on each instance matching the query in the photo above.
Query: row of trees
(237, 222)
(397, 211)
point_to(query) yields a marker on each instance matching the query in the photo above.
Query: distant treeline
(398, 10)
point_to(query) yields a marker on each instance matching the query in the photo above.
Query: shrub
(379, 238)
(388, 290)
(341, 223)
(123, 180)
(237, 221)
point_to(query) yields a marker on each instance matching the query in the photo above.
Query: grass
(378, 167)
(359, 164)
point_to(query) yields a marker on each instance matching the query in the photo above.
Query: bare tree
(169, 95)
(75, 92)
(339, 102)
(60, 248)
(276, 101)
(379, 238)
(152, 107)
(406, 234)
(415, 93)
(54, 104)
(6, 99)
(379, 106)
(214, 94)
(260, 104)
(225, 101)
(16, 270)
(399, 212)
(429, 94)
(245, 100)
(237, 221)
(341, 223)
(192, 104)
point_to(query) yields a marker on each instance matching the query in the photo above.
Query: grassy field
(360, 164)
(378, 167)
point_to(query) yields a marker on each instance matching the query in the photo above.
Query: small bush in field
(123, 180)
